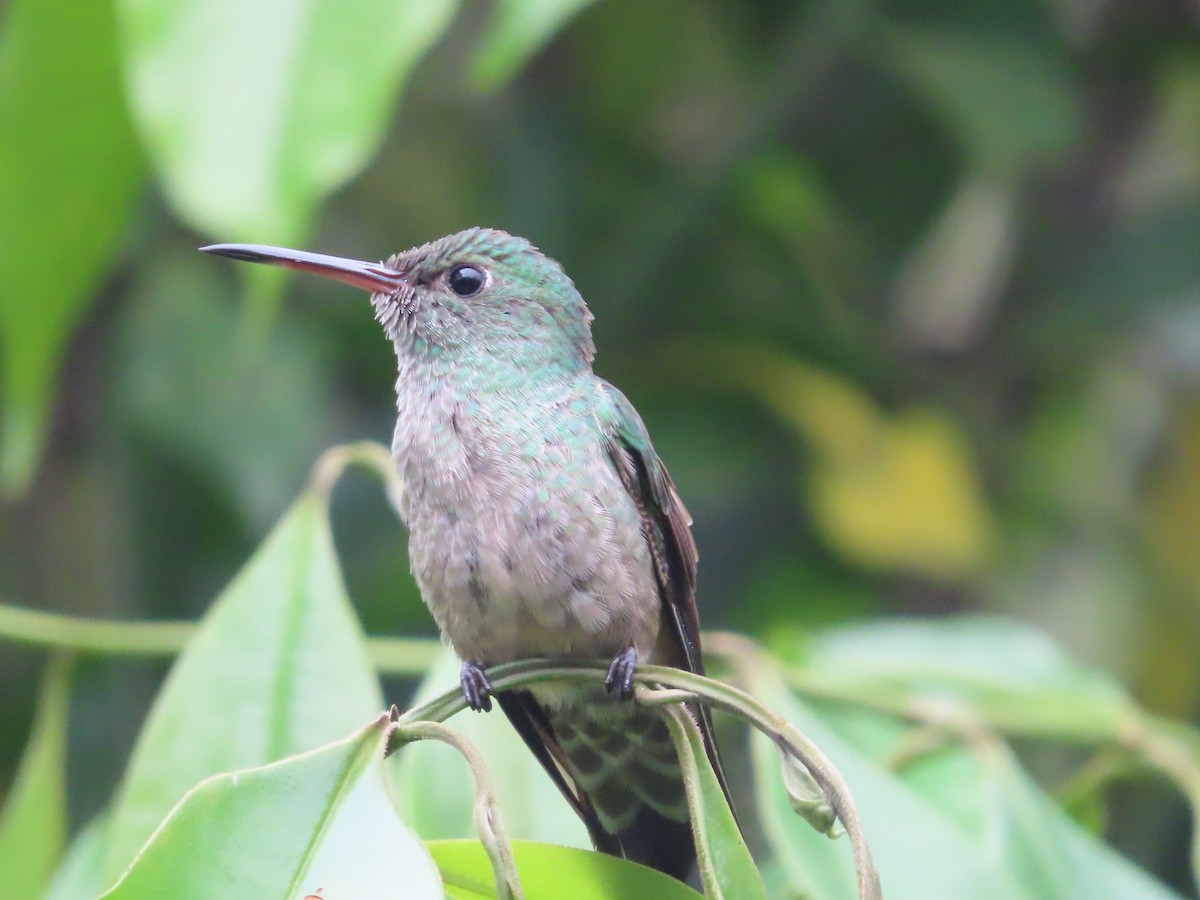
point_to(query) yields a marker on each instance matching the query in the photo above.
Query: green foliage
(320, 821)
(1008, 100)
(69, 170)
(188, 395)
(906, 294)
(433, 783)
(987, 668)
(248, 128)
(520, 29)
(546, 868)
(726, 867)
(78, 873)
(279, 662)
(33, 825)
(237, 754)
(974, 825)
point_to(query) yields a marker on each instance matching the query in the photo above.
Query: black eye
(465, 280)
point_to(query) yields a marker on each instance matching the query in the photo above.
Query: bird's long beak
(370, 276)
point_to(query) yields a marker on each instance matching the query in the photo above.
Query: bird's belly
(530, 569)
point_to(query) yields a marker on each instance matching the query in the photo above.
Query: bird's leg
(620, 673)
(475, 686)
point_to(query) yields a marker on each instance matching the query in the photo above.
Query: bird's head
(479, 289)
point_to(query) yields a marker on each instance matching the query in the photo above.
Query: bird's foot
(476, 687)
(620, 673)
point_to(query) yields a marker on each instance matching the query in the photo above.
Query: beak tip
(236, 251)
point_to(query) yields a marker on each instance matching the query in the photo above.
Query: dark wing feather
(667, 525)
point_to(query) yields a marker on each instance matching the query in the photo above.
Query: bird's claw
(475, 687)
(620, 673)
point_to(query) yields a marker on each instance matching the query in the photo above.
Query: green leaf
(69, 170)
(1007, 100)
(318, 823)
(252, 112)
(79, 873)
(279, 666)
(726, 867)
(1053, 858)
(549, 872)
(434, 787)
(519, 29)
(33, 820)
(1003, 672)
(807, 798)
(920, 850)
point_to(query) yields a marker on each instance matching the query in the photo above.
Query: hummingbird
(541, 522)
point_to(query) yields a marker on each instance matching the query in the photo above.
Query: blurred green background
(906, 292)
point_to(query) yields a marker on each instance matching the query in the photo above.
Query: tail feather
(617, 767)
(660, 843)
(624, 761)
(532, 724)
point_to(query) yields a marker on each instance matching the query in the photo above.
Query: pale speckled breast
(522, 539)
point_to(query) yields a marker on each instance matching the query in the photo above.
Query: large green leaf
(278, 667)
(79, 872)
(1012, 819)
(920, 851)
(69, 169)
(254, 110)
(1001, 671)
(519, 29)
(321, 823)
(949, 819)
(436, 792)
(33, 820)
(549, 872)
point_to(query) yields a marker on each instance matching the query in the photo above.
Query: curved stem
(697, 688)
(371, 455)
(488, 823)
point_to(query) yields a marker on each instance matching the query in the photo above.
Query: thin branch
(55, 630)
(403, 656)
(108, 637)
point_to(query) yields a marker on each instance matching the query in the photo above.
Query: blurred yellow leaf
(1174, 518)
(890, 492)
(836, 418)
(910, 501)
(1168, 680)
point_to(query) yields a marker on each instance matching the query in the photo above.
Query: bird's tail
(616, 764)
